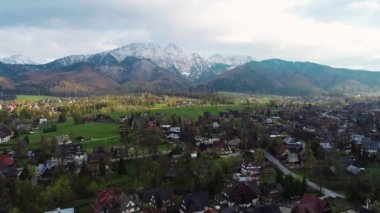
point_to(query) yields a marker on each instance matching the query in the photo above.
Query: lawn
(95, 133)
(196, 111)
(192, 112)
(24, 98)
(107, 134)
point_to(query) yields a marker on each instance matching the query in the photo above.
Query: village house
(102, 118)
(44, 173)
(206, 141)
(63, 139)
(73, 153)
(221, 148)
(290, 153)
(42, 121)
(270, 191)
(234, 143)
(106, 202)
(162, 199)
(7, 167)
(358, 139)
(173, 136)
(5, 134)
(326, 146)
(165, 127)
(354, 170)
(129, 204)
(98, 154)
(251, 167)
(175, 130)
(370, 148)
(237, 194)
(311, 203)
(194, 203)
(123, 119)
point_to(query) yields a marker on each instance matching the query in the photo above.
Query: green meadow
(107, 134)
(191, 112)
(25, 98)
(95, 134)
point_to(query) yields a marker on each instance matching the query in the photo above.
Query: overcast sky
(342, 33)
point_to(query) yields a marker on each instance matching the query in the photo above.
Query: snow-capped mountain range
(170, 57)
(16, 59)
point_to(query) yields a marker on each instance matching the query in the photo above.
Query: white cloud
(325, 31)
(365, 5)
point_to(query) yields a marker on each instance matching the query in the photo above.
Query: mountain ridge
(170, 57)
(281, 77)
(115, 71)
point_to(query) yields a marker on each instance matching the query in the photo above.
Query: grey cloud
(70, 13)
(42, 29)
(338, 11)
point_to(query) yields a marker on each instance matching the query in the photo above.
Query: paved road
(286, 171)
(141, 156)
(100, 139)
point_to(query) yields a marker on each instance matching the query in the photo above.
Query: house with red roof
(312, 204)
(7, 167)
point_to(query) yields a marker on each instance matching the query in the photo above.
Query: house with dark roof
(160, 198)
(102, 118)
(311, 203)
(194, 202)
(271, 191)
(73, 152)
(370, 148)
(44, 173)
(5, 134)
(128, 204)
(176, 152)
(291, 153)
(237, 194)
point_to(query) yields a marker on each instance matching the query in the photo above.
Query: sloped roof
(326, 145)
(161, 194)
(354, 170)
(197, 201)
(5, 132)
(6, 160)
(310, 204)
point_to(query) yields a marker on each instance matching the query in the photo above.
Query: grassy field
(107, 134)
(24, 98)
(196, 111)
(187, 112)
(96, 133)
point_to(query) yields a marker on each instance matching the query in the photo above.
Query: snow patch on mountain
(170, 57)
(234, 60)
(70, 60)
(16, 59)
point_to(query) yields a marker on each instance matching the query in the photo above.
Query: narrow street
(141, 156)
(286, 171)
